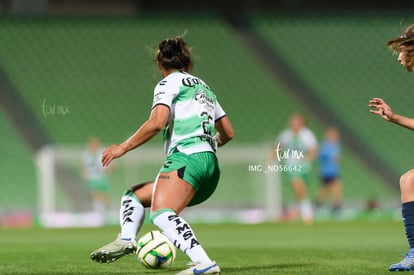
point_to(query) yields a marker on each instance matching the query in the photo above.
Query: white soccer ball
(155, 250)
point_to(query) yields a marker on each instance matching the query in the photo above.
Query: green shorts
(98, 185)
(201, 170)
(299, 171)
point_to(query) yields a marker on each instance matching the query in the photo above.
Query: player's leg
(407, 200)
(100, 202)
(132, 208)
(171, 196)
(172, 193)
(131, 216)
(304, 204)
(336, 192)
(98, 189)
(322, 193)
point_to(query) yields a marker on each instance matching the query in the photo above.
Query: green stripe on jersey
(185, 94)
(188, 125)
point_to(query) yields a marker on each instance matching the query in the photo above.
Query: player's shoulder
(173, 79)
(285, 135)
(308, 136)
(306, 131)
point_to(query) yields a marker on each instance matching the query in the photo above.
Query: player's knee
(407, 181)
(139, 186)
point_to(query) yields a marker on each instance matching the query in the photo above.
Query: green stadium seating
(18, 179)
(343, 58)
(101, 72)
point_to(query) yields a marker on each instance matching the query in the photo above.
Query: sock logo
(184, 230)
(126, 214)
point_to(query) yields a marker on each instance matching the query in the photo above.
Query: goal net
(247, 192)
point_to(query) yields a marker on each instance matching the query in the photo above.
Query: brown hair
(174, 53)
(405, 43)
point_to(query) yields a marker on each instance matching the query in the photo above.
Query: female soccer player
(328, 157)
(404, 46)
(194, 125)
(96, 176)
(296, 146)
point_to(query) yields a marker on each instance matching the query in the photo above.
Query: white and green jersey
(293, 148)
(194, 109)
(92, 165)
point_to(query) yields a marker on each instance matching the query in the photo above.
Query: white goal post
(248, 191)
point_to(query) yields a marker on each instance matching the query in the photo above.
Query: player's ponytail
(405, 40)
(173, 53)
(404, 44)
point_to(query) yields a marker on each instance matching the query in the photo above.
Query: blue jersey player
(328, 158)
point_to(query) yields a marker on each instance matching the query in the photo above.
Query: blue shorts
(327, 180)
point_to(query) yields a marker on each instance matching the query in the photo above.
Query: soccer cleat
(406, 264)
(200, 268)
(114, 250)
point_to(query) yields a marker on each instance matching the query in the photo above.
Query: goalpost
(248, 191)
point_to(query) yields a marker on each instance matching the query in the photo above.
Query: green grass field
(271, 248)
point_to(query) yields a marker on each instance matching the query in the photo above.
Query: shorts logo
(167, 164)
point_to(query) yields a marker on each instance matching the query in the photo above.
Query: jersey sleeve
(219, 112)
(282, 138)
(310, 140)
(164, 93)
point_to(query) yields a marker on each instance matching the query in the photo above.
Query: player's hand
(381, 108)
(111, 153)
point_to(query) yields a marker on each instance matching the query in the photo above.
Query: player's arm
(381, 108)
(155, 123)
(403, 121)
(312, 153)
(225, 131)
(311, 145)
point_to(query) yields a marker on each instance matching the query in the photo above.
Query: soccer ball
(155, 250)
